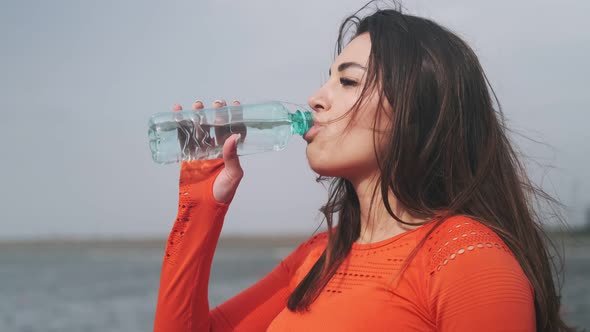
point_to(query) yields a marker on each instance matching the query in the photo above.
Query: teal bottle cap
(301, 122)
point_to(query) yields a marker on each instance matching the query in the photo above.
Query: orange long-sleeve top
(463, 279)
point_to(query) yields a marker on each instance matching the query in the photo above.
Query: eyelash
(346, 82)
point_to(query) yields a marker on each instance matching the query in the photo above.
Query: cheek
(344, 156)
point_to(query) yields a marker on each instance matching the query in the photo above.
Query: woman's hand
(226, 183)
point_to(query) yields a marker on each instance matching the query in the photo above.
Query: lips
(311, 133)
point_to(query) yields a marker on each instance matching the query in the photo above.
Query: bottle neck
(301, 122)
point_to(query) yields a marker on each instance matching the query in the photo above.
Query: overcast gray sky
(79, 79)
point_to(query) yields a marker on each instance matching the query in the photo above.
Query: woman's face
(332, 151)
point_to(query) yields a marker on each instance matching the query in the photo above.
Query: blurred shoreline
(229, 241)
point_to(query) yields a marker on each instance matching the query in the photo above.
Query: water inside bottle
(173, 141)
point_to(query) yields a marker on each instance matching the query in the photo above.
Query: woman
(436, 225)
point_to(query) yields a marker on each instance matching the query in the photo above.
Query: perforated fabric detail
(175, 239)
(460, 236)
(375, 267)
(378, 270)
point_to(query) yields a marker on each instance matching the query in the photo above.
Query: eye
(347, 82)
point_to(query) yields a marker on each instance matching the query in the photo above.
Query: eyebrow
(346, 65)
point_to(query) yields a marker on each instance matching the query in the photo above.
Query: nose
(319, 101)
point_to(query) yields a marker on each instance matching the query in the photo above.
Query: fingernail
(235, 101)
(198, 101)
(238, 139)
(217, 102)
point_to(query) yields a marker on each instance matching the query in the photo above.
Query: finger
(221, 118)
(197, 105)
(183, 132)
(202, 135)
(219, 103)
(238, 127)
(230, 157)
(208, 139)
(198, 132)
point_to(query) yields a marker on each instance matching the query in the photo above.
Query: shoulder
(473, 277)
(463, 254)
(309, 250)
(317, 239)
(458, 236)
(315, 242)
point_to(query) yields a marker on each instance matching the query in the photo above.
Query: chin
(325, 165)
(323, 171)
(320, 163)
(337, 165)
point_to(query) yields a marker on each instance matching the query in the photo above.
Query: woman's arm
(183, 296)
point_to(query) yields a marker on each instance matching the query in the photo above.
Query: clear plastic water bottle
(200, 134)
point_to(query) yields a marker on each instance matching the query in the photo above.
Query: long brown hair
(447, 150)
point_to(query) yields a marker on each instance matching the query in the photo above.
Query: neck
(377, 224)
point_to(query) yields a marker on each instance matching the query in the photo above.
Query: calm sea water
(93, 288)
